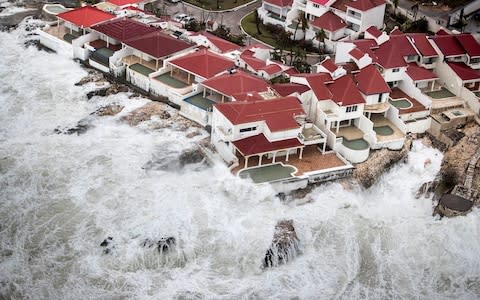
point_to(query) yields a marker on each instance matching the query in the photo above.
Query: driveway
(230, 19)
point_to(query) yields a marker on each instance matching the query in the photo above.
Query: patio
(62, 32)
(440, 94)
(171, 81)
(139, 68)
(350, 133)
(385, 129)
(102, 56)
(200, 102)
(398, 95)
(132, 59)
(312, 160)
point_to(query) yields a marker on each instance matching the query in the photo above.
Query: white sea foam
(61, 195)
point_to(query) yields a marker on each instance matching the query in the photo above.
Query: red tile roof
(396, 31)
(420, 41)
(370, 81)
(282, 3)
(258, 64)
(203, 63)
(286, 89)
(85, 16)
(321, 2)
(364, 5)
(374, 31)
(356, 53)
(236, 83)
(418, 73)
(221, 44)
(329, 65)
(259, 144)
(345, 92)
(464, 72)
(157, 44)
(318, 86)
(469, 43)
(391, 53)
(123, 2)
(279, 114)
(329, 21)
(448, 45)
(123, 29)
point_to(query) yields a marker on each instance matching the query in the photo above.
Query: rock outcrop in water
(92, 76)
(146, 112)
(108, 110)
(191, 156)
(111, 90)
(163, 245)
(368, 172)
(285, 245)
(80, 128)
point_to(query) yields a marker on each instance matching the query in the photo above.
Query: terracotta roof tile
(448, 45)
(419, 73)
(364, 5)
(123, 28)
(157, 44)
(236, 83)
(329, 21)
(374, 31)
(344, 92)
(370, 81)
(420, 41)
(286, 89)
(469, 43)
(203, 63)
(123, 2)
(279, 114)
(463, 71)
(221, 44)
(259, 144)
(281, 3)
(85, 16)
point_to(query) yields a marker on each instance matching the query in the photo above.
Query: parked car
(180, 17)
(187, 20)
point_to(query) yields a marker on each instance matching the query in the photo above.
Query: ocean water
(62, 195)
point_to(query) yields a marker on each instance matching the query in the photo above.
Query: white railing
(471, 99)
(79, 51)
(393, 116)
(353, 156)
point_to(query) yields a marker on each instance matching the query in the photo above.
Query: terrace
(404, 103)
(312, 160)
(444, 99)
(352, 138)
(62, 32)
(200, 102)
(139, 65)
(385, 129)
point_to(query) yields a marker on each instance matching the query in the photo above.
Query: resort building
(70, 27)
(339, 19)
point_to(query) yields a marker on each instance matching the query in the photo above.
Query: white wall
(138, 79)
(449, 78)
(472, 100)
(390, 76)
(408, 87)
(419, 125)
(394, 116)
(78, 45)
(281, 135)
(194, 113)
(373, 17)
(315, 11)
(373, 99)
(54, 43)
(341, 54)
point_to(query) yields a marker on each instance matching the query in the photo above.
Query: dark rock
(164, 115)
(148, 243)
(107, 251)
(81, 127)
(13, 20)
(164, 244)
(109, 110)
(427, 188)
(285, 245)
(106, 242)
(191, 156)
(93, 76)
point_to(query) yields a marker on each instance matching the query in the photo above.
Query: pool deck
(312, 161)
(171, 81)
(350, 133)
(268, 173)
(398, 94)
(382, 121)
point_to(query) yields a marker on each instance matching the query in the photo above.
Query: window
(395, 70)
(248, 129)
(380, 98)
(351, 108)
(316, 5)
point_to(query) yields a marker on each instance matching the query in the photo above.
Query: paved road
(229, 19)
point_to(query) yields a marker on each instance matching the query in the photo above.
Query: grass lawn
(222, 4)
(248, 24)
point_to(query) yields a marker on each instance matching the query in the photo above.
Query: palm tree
(257, 21)
(304, 22)
(395, 5)
(320, 36)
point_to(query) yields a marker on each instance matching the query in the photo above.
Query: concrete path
(230, 19)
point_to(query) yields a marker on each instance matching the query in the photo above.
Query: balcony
(311, 135)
